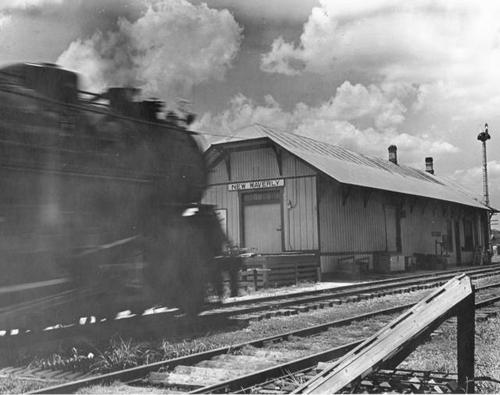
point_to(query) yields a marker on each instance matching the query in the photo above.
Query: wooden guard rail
(393, 343)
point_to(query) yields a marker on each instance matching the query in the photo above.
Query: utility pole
(483, 137)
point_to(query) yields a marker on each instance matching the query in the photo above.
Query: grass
(12, 385)
(439, 354)
(120, 388)
(73, 360)
(123, 353)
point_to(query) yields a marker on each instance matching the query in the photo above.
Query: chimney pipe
(393, 154)
(429, 165)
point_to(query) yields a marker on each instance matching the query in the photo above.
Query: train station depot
(318, 210)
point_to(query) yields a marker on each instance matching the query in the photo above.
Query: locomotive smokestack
(429, 165)
(393, 154)
(149, 109)
(121, 99)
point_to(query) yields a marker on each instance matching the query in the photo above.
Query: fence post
(465, 342)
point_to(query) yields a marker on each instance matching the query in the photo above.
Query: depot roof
(349, 167)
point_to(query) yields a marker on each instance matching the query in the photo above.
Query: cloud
(355, 102)
(279, 10)
(472, 178)
(366, 119)
(11, 5)
(451, 50)
(398, 41)
(282, 59)
(4, 19)
(445, 54)
(172, 46)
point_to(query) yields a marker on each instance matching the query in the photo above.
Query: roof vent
(393, 154)
(429, 165)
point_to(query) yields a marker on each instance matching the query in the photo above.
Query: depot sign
(259, 184)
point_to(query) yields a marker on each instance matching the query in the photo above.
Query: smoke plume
(171, 47)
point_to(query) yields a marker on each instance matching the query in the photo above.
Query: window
(262, 197)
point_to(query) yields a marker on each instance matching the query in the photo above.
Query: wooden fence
(277, 270)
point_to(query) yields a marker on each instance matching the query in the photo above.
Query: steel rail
(287, 368)
(256, 305)
(485, 268)
(137, 373)
(155, 323)
(94, 329)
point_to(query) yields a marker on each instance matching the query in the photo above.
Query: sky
(423, 75)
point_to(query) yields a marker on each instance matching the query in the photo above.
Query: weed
(176, 350)
(75, 359)
(122, 354)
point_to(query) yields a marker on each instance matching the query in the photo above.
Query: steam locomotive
(99, 202)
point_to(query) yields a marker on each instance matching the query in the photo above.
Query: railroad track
(172, 321)
(294, 305)
(276, 363)
(288, 303)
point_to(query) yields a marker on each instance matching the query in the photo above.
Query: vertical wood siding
(300, 215)
(220, 197)
(418, 224)
(344, 228)
(351, 227)
(218, 173)
(300, 220)
(293, 166)
(254, 164)
(354, 229)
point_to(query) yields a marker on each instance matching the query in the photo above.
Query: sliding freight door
(262, 221)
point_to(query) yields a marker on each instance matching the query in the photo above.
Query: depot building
(283, 195)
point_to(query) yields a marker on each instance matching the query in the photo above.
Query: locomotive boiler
(99, 202)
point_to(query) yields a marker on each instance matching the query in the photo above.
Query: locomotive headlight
(189, 212)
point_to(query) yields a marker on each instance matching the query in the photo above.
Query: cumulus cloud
(11, 5)
(171, 47)
(366, 119)
(444, 54)
(472, 178)
(449, 49)
(398, 40)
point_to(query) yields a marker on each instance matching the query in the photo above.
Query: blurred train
(99, 202)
